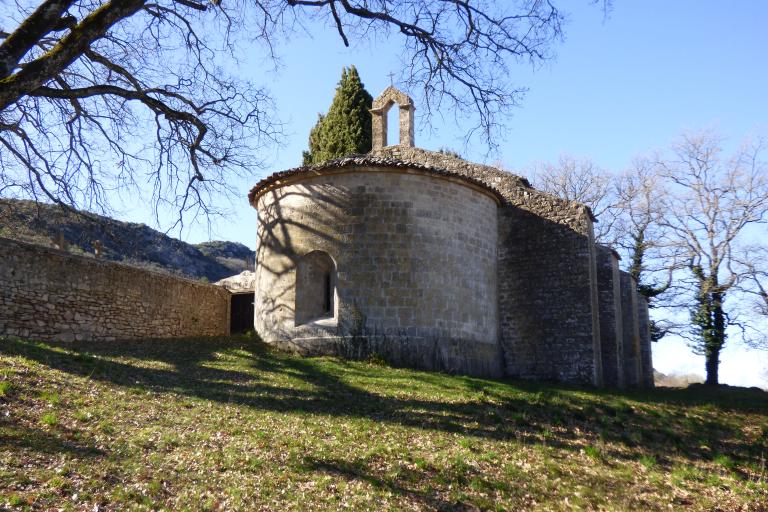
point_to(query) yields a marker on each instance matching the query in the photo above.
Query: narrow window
(328, 294)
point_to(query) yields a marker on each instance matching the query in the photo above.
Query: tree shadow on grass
(14, 437)
(241, 371)
(361, 472)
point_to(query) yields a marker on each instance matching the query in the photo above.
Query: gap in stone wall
(393, 126)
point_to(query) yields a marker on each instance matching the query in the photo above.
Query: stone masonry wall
(631, 330)
(545, 300)
(597, 371)
(54, 296)
(549, 328)
(416, 267)
(646, 358)
(609, 291)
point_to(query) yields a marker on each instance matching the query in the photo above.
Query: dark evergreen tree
(346, 128)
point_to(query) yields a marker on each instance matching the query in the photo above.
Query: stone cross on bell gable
(381, 106)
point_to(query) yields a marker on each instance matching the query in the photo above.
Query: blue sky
(619, 87)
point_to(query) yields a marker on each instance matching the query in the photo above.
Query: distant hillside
(134, 244)
(676, 380)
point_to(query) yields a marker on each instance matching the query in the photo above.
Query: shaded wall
(631, 330)
(545, 300)
(51, 295)
(644, 329)
(609, 291)
(415, 262)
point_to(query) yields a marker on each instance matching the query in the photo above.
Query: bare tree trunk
(713, 367)
(718, 325)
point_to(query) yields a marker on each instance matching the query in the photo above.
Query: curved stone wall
(416, 267)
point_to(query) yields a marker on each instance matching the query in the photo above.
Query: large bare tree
(640, 234)
(640, 196)
(715, 202)
(582, 180)
(98, 95)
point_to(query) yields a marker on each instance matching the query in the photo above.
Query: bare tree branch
(584, 182)
(99, 98)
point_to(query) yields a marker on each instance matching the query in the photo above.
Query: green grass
(51, 397)
(49, 418)
(647, 461)
(228, 424)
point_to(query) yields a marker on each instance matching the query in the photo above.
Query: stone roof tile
(509, 188)
(371, 160)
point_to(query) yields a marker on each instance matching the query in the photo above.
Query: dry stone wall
(51, 295)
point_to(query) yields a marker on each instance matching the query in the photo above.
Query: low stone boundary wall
(51, 295)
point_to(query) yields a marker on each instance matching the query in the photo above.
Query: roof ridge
(431, 162)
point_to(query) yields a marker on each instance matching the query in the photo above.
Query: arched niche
(381, 106)
(315, 287)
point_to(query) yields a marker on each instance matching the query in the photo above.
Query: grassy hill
(135, 244)
(228, 424)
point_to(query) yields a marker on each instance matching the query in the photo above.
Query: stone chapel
(433, 262)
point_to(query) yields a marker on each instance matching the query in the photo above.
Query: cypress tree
(346, 128)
